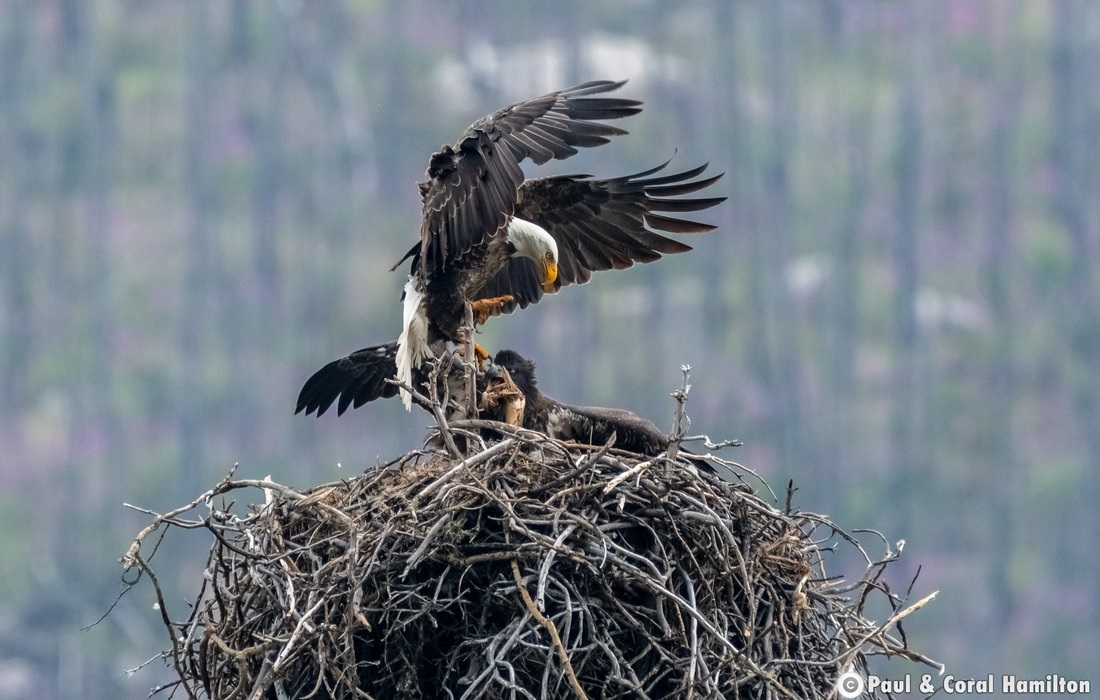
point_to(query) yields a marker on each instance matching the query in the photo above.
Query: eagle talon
(481, 355)
(484, 309)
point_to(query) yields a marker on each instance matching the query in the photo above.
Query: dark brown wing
(603, 225)
(368, 374)
(354, 380)
(594, 425)
(471, 187)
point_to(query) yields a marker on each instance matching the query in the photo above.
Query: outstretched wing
(368, 374)
(603, 225)
(471, 187)
(593, 425)
(354, 380)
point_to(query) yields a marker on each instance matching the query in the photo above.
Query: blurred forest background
(199, 203)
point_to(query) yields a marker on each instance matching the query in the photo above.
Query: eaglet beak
(549, 275)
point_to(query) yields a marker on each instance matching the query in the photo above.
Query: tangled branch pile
(531, 568)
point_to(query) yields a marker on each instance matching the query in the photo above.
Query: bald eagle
(585, 424)
(588, 425)
(494, 239)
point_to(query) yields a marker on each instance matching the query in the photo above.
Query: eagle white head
(534, 243)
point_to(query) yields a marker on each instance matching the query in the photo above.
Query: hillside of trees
(900, 310)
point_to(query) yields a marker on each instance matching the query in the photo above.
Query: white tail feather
(412, 344)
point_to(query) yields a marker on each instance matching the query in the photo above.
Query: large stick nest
(531, 568)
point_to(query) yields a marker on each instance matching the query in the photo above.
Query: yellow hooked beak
(549, 275)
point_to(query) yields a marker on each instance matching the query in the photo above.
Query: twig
(428, 539)
(681, 422)
(480, 457)
(471, 378)
(845, 659)
(130, 558)
(436, 407)
(636, 469)
(563, 655)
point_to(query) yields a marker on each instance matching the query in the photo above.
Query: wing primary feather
(594, 86)
(672, 190)
(353, 380)
(671, 225)
(696, 204)
(671, 177)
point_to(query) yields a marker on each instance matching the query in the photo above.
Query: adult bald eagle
(494, 239)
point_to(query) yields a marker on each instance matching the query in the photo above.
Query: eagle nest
(525, 568)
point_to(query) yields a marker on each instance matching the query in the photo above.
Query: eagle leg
(486, 308)
(482, 356)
